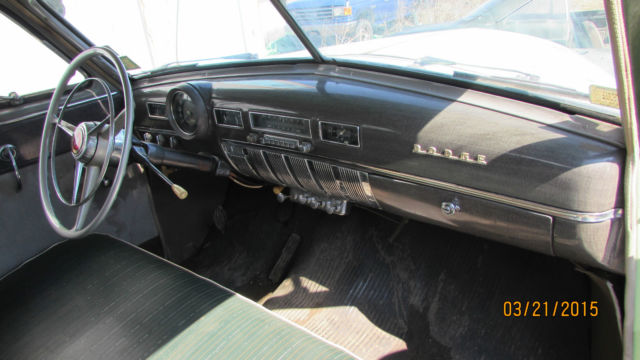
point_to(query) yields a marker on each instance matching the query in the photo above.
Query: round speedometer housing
(187, 112)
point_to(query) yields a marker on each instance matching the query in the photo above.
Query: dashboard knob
(173, 142)
(305, 147)
(160, 140)
(449, 208)
(313, 203)
(147, 137)
(253, 138)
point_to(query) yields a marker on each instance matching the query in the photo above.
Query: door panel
(24, 230)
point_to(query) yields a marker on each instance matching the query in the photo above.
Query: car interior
(302, 209)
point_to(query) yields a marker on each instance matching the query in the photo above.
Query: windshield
(157, 34)
(556, 49)
(553, 49)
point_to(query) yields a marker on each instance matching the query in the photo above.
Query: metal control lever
(139, 154)
(160, 155)
(330, 206)
(8, 153)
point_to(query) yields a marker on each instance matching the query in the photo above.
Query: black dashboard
(479, 163)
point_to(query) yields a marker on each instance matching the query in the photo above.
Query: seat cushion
(102, 298)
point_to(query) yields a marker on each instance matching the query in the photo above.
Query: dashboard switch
(449, 208)
(305, 147)
(253, 138)
(161, 140)
(173, 142)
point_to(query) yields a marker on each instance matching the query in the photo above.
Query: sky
(146, 32)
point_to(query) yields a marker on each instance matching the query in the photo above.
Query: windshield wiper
(429, 60)
(521, 80)
(520, 84)
(243, 56)
(567, 99)
(13, 99)
(527, 83)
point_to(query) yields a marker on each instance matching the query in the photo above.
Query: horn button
(83, 144)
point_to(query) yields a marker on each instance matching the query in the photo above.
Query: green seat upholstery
(100, 298)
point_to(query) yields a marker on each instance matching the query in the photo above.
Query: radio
(287, 143)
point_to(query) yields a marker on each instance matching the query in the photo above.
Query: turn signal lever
(151, 155)
(139, 155)
(163, 156)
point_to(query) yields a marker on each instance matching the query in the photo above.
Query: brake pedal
(220, 218)
(285, 258)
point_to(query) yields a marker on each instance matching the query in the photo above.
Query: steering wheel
(95, 146)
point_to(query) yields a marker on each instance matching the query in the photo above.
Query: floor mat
(241, 256)
(383, 289)
(388, 290)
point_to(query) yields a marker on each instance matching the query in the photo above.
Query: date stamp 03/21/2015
(556, 308)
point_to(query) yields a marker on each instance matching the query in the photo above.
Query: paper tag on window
(603, 96)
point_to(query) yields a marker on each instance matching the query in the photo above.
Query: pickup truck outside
(332, 22)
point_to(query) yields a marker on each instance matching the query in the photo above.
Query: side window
(27, 65)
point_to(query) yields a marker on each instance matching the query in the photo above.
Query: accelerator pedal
(284, 260)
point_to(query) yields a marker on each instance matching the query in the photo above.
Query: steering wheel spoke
(100, 124)
(77, 180)
(91, 180)
(66, 127)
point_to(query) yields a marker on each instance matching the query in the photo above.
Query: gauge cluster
(187, 112)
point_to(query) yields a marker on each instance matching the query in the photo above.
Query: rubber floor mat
(389, 289)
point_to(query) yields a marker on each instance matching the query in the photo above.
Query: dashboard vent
(280, 168)
(340, 133)
(230, 118)
(317, 177)
(302, 172)
(157, 110)
(257, 160)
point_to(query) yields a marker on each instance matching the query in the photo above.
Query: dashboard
(334, 137)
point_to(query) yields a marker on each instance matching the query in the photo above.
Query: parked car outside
(338, 21)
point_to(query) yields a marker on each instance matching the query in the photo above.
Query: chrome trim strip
(364, 181)
(256, 159)
(215, 118)
(577, 216)
(276, 131)
(323, 173)
(156, 116)
(279, 167)
(339, 124)
(302, 173)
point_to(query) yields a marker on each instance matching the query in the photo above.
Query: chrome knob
(281, 197)
(253, 138)
(305, 147)
(160, 140)
(449, 208)
(313, 203)
(8, 153)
